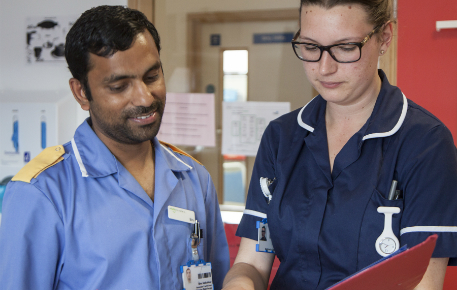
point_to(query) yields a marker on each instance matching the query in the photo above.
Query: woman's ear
(386, 37)
(79, 94)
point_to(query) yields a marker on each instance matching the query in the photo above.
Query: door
(274, 74)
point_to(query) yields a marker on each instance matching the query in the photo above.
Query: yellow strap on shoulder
(177, 150)
(47, 158)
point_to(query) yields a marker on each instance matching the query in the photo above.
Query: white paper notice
(244, 123)
(189, 120)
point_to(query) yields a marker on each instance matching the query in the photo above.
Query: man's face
(263, 232)
(188, 275)
(128, 93)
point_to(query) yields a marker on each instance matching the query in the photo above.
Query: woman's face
(341, 83)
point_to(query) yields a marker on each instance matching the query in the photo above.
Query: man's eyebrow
(155, 66)
(114, 77)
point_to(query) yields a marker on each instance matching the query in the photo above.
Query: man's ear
(79, 94)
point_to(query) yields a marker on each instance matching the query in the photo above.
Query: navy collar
(96, 160)
(386, 119)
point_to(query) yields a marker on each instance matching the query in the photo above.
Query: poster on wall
(189, 119)
(46, 38)
(243, 124)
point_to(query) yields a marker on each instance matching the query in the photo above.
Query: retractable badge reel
(196, 273)
(264, 184)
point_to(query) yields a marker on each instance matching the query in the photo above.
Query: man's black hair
(103, 31)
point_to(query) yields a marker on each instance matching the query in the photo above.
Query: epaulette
(177, 150)
(47, 158)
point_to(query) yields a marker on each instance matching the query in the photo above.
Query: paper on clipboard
(402, 271)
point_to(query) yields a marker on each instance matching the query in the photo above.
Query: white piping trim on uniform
(168, 150)
(255, 213)
(397, 126)
(301, 123)
(428, 229)
(78, 158)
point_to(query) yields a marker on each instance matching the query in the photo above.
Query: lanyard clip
(196, 237)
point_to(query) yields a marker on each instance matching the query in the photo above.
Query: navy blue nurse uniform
(324, 224)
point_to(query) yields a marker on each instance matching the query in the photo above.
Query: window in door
(235, 89)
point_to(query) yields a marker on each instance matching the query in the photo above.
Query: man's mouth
(145, 117)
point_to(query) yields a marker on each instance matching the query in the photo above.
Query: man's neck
(132, 154)
(138, 159)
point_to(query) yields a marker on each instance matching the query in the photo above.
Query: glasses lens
(346, 52)
(307, 52)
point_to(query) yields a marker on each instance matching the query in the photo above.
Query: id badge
(264, 243)
(197, 276)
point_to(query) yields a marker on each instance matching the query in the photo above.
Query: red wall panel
(427, 66)
(427, 59)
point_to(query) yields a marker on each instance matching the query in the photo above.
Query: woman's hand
(434, 276)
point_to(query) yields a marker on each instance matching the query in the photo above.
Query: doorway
(274, 74)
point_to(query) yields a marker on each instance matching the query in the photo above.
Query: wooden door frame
(194, 33)
(195, 21)
(145, 6)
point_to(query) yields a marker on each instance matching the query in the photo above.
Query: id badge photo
(197, 276)
(264, 243)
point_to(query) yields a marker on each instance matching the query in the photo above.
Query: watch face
(387, 246)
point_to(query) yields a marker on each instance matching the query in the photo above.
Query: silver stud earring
(382, 51)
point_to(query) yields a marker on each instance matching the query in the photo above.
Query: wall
(427, 59)
(427, 66)
(170, 20)
(34, 87)
(1, 34)
(15, 73)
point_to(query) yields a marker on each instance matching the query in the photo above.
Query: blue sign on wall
(273, 37)
(215, 39)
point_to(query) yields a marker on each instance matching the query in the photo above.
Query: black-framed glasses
(341, 52)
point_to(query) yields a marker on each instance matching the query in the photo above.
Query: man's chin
(147, 135)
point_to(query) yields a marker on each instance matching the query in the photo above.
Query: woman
(323, 171)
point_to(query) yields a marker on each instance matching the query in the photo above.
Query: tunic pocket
(372, 227)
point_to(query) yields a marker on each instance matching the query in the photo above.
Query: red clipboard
(398, 272)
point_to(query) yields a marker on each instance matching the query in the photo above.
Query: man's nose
(142, 96)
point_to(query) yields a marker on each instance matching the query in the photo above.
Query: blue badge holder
(200, 262)
(264, 245)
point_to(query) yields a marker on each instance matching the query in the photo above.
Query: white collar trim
(78, 158)
(369, 136)
(168, 150)
(396, 127)
(299, 120)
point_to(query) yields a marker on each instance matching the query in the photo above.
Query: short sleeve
(31, 239)
(256, 202)
(430, 193)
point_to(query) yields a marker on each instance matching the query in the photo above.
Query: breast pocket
(373, 225)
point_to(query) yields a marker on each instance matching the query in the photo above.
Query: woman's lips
(330, 85)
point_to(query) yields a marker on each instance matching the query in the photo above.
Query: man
(94, 213)
(263, 238)
(188, 276)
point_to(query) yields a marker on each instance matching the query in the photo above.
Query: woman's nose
(327, 65)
